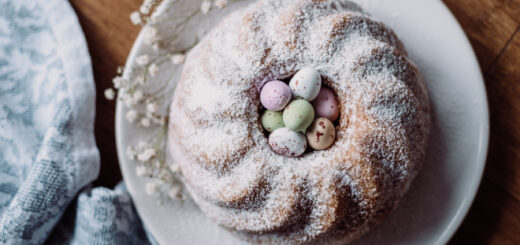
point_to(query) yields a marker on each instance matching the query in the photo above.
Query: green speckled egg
(272, 120)
(298, 115)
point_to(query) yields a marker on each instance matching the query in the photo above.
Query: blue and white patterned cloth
(48, 156)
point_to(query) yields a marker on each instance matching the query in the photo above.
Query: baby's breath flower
(131, 115)
(109, 94)
(153, 70)
(123, 94)
(120, 70)
(141, 79)
(146, 155)
(164, 174)
(131, 153)
(145, 122)
(147, 6)
(151, 188)
(221, 3)
(155, 18)
(157, 119)
(150, 34)
(178, 59)
(141, 171)
(205, 7)
(129, 102)
(143, 60)
(119, 82)
(126, 98)
(137, 96)
(152, 107)
(150, 156)
(135, 17)
(174, 168)
(142, 145)
(144, 9)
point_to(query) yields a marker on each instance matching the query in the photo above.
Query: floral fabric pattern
(48, 155)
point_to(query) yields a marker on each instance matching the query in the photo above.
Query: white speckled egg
(287, 143)
(306, 84)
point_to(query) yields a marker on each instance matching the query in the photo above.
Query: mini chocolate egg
(326, 104)
(306, 84)
(287, 143)
(298, 115)
(272, 120)
(275, 95)
(321, 134)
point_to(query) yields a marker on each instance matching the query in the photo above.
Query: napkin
(48, 155)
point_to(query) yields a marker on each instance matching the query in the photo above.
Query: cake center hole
(300, 114)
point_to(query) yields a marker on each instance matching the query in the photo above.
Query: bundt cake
(330, 196)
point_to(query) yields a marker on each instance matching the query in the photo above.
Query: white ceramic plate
(444, 190)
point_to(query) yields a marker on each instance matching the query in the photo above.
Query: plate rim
(484, 132)
(483, 144)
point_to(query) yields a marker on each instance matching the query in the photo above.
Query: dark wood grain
(493, 219)
(493, 29)
(110, 36)
(503, 86)
(489, 24)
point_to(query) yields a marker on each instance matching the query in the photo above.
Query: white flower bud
(144, 9)
(142, 60)
(145, 122)
(153, 70)
(151, 188)
(141, 171)
(129, 102)
(178, 59)
(135, 17)
(150, 34)
(109, 94)
(131, 115)
(221, 3)
(119, 82)
(130, 153)
(146, 155)
(205, 7)
(174, 168)
(141, 79)
(152, 107)
(137, 96)
(141, 145)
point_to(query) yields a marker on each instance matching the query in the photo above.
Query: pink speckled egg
(275, 95)
(287, 143)
(326, 105)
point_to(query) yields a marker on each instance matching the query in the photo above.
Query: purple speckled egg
(275, 95)
(326, 105)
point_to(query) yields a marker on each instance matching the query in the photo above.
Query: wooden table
(493, 28)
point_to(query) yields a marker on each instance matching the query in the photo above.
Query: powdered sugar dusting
(324, 196)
